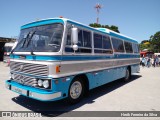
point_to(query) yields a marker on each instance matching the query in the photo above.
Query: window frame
(131, 47)
(79, 47)
(102, 49)
(112, 37)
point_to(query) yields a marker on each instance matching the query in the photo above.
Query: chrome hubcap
(75, 90)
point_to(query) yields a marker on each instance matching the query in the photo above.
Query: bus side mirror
(74, 37)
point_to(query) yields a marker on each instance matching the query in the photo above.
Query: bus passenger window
(84, 39)
(128, 47)
(97, 41)
(117, 45)
(68, 47)
(102, 44)
(87, 39)
(84, 42)
(80, 41)
(135, 48)
(106, 43)
(68, 41)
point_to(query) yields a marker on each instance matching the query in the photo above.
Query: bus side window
(97, 43)
(135, 48)
(84, 41)
(68, 41)
(68, 47)
(128, 47)
(107, 45)
(87, 39)
(80, 41)
(117, 45)
(102, 44)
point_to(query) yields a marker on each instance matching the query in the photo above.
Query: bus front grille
(29, 68)
(25, 80)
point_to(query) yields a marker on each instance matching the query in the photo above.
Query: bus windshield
(45, 38)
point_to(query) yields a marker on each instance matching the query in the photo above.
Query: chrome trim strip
(33, 62)
(87, 71)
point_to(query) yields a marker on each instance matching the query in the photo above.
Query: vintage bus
(60, 58)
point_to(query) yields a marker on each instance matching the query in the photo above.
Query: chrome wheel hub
(75, 90)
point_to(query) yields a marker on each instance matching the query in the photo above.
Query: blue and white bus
(59, 58)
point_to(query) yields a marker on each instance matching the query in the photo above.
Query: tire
(127, 75)
(76, 91)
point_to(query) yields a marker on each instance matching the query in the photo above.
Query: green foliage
(143, 41)
(154, 43)
(112, 27)
(143, 46)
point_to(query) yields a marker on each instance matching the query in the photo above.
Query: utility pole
(98, 7)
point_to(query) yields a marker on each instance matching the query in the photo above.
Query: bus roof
(63, 20)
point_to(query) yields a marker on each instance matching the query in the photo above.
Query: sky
(138, 19)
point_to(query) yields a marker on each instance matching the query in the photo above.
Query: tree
(155, 41)
(146, 45)
(144, 41)
(153, 44)
(112, 27)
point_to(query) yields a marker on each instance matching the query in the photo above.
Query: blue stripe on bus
(102, 31)
(43, 22)
(73, 58)
(87, 27)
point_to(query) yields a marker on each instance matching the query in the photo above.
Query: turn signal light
(58, 69)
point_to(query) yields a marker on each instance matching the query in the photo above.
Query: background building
(2, 43)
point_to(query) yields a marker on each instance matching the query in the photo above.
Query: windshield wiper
(30, 38)
(25, 39)
(31, 44)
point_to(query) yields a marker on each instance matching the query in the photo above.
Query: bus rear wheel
(76, 91)
(127, 75)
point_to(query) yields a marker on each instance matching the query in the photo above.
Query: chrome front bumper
(34, 93)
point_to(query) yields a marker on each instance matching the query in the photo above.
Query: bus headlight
(40, 82)
(43, 83)
(46, 84)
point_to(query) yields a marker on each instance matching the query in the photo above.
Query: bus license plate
(19, 90)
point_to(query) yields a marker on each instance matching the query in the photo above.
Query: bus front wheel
(76, 91)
